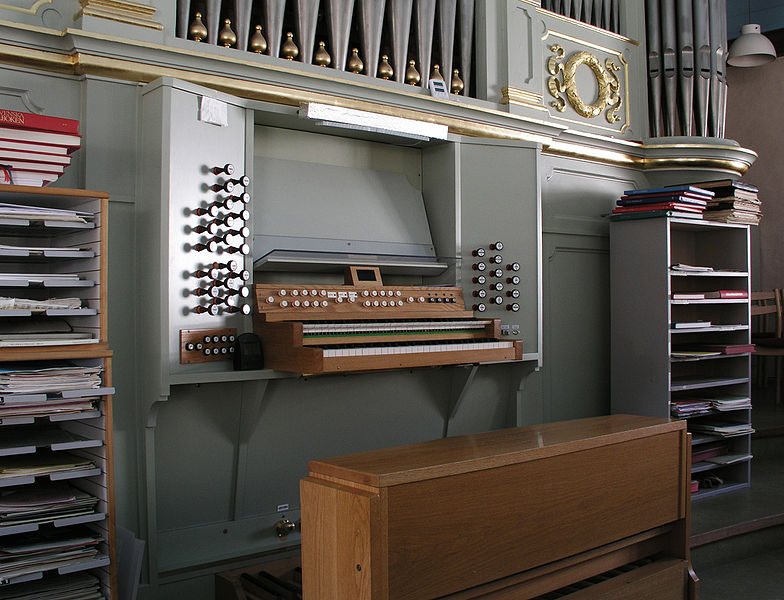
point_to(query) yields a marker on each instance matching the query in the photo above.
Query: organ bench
(586, 510)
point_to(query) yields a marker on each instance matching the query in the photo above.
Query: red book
(10, 155)
(31, 178)
(25, 147)
(23, 165)
(728, 348)
(695, 198)
(658, 206)
(24, 120)
(43, 138)
(727, 294)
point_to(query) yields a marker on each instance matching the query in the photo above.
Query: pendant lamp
(751, 49)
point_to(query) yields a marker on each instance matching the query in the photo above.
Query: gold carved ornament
(608, 98)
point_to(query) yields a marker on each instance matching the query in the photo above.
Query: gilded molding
(516, 96)
(613, 93)
(122, 11)
(82, 63)
(606, 81)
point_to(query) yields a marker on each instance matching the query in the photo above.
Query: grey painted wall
(755, 119)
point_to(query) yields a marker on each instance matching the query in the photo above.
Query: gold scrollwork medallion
(608, 85)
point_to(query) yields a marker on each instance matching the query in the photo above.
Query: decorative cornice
(591, 28)
(122, 11)
(596, 148)
(516, 96)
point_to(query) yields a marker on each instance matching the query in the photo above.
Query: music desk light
(335, 116)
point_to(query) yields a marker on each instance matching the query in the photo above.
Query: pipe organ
(357, 36)
(452, 309)
(687, 57)
(600, 13)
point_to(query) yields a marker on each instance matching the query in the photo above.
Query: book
(723, 348)
(654, 198)
(672, 189)
(736, 195)
(24, 165)
(687, 296)
(729, 184)
(47, 138)
(702, 453)
(659, 206)
(25, 120)
(58, 159)
(727, 294)
(651, 214)
(733, 216)
(31, 178)
(726, 204)
(26, 147)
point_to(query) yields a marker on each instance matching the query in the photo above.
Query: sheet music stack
(35, 149)
(686, 202)
(734, 202)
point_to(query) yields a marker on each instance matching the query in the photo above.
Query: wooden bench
(514, 513)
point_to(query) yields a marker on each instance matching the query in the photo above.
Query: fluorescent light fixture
(751, 49)
(336, 116)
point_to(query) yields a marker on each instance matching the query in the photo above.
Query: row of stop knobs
(490, 281)
(225, 288)
(224, 224)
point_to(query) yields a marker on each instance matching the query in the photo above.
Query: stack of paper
(42, 503)
(24, 212)
(722, 428)
(44, 550)
(24, 380)
(734, 202)
(681, 267)
(74, 586)
(690, 408)
(7, 303)
(42, 463)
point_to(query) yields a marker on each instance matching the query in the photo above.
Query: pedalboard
(206, 345)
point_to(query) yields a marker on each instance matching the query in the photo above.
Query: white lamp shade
(751, 49)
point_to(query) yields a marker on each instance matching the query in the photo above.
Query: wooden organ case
(366, 325)
(591, 509)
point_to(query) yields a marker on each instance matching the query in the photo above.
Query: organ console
(369, 326)
(593, 509)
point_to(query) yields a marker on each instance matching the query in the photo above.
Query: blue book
(653, 214)
(655, 199)
(671, 190)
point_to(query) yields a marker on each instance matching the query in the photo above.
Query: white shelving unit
(55, 437)
(646, 378)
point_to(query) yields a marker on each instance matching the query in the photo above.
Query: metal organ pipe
(653, 32)
(691, 36)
